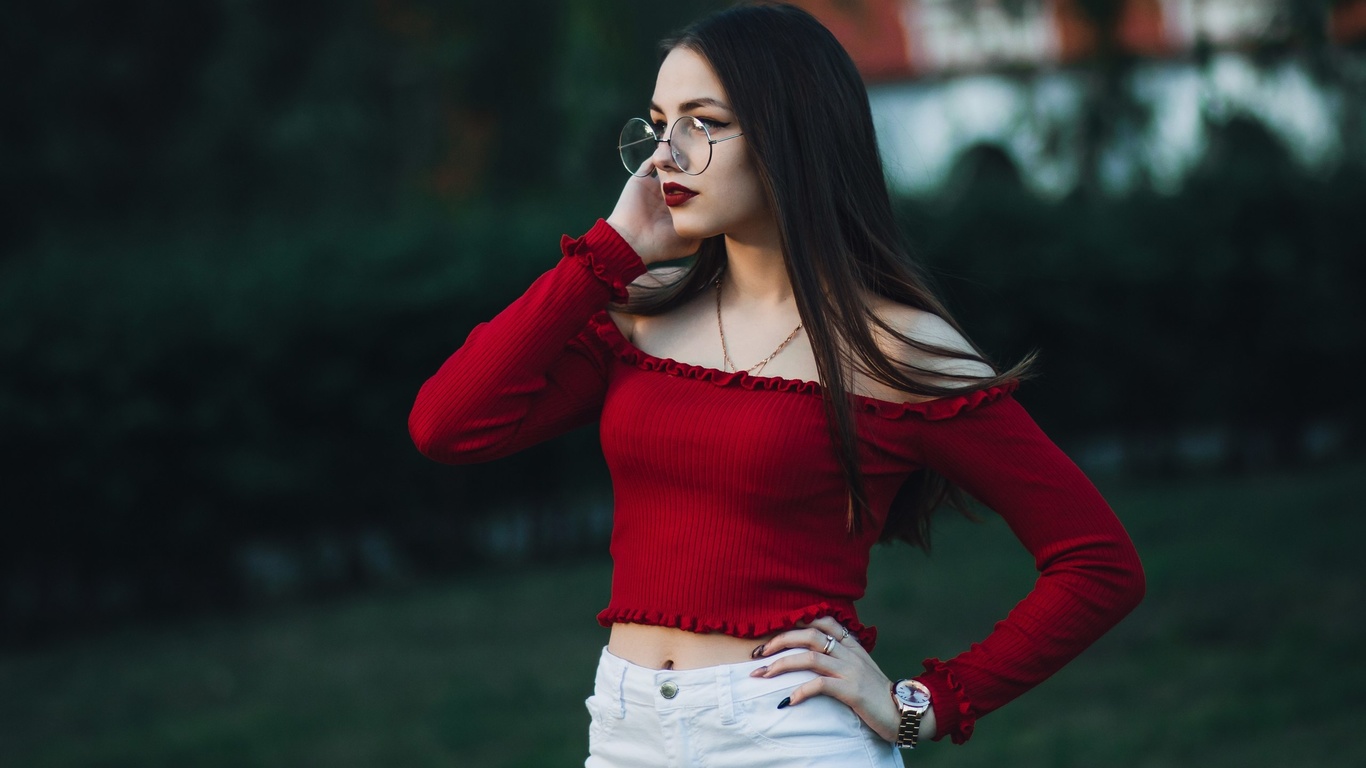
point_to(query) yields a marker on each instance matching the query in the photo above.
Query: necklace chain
(729, 365)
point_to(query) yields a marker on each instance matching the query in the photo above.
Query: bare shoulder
(626, 323)
(932, 330)
(655, 278)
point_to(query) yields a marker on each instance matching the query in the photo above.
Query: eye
(711, 124)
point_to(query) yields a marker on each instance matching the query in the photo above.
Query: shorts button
(668, 690)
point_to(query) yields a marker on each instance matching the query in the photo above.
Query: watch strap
(908, 730)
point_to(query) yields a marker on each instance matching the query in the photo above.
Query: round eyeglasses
(689, 143)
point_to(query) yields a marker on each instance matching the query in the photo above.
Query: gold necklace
(727, 364)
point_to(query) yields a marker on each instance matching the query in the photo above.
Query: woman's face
(728, 196)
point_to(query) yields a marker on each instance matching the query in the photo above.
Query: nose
(664, 154)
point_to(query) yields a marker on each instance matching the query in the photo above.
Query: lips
(677, 194)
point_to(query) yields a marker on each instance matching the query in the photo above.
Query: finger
(821, 686)
(830, 626)
(813, 639)
(811, 661)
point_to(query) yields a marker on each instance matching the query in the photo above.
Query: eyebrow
(688, 106)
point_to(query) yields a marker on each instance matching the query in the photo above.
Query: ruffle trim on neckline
(577, 248)
(867, 636)
(961, 730)
(929, 410)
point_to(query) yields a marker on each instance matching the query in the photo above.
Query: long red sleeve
(1090, 575)
(535, 370)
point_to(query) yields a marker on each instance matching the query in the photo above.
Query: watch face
(912, 696)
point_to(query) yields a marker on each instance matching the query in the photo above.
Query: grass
(1244, 653)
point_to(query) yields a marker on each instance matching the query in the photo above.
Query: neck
(755, 272)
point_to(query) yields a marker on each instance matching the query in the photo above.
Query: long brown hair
(808, 124)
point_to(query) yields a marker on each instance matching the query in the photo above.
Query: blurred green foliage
(236, 236)
(1221, 304)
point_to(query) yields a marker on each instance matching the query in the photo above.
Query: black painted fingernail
(757, 652)
(783, 704)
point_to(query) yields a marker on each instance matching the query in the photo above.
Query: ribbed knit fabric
(729, 503)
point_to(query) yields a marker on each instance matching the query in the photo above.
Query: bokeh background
(236, 236)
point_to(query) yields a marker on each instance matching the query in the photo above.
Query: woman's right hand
(643, 221)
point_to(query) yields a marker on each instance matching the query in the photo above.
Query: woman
(747, 498)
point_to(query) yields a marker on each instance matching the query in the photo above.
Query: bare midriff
(669, 648)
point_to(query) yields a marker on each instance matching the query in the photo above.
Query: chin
(691, 231)
(693, 227)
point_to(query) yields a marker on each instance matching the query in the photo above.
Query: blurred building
(947, 75)
(906, 39)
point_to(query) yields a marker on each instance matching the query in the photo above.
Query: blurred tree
(1110, 112)
(94, 90)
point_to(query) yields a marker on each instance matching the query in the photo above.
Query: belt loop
(725, 700)
(621, 690)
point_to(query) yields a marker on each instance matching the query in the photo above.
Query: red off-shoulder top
(729, 504)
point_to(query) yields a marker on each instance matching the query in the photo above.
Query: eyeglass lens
(688, 142)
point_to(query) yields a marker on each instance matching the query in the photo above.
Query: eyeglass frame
(673, 153)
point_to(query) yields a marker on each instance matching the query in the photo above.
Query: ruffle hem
(867, 636)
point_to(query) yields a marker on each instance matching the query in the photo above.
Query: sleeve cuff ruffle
(607, 255)
(953, 712)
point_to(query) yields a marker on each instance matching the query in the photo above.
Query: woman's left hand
(847, 672)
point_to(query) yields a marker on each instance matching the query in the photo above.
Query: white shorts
(720, 717)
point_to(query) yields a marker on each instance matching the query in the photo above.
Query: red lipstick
(677, 194)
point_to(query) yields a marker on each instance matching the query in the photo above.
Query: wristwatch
(913, 699)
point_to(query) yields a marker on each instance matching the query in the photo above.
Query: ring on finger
(829, 643)
(844, 636)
